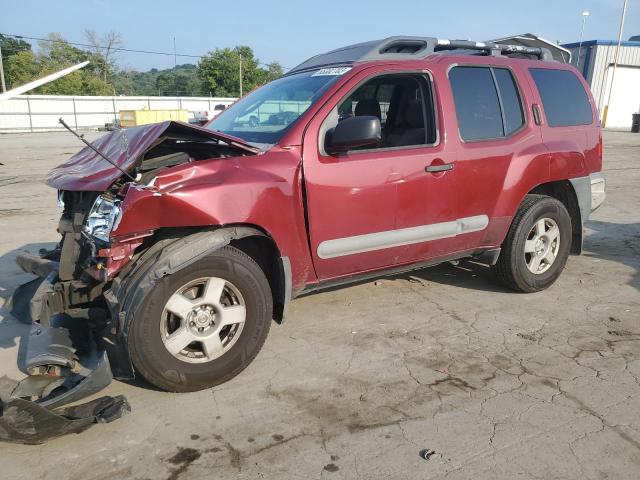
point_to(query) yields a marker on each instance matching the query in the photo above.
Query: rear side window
(563, 97)
(487, 102)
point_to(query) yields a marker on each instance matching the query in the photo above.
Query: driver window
(403, 103)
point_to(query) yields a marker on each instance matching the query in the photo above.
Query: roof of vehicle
(415, 48)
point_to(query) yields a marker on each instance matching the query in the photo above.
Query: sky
(290, 31)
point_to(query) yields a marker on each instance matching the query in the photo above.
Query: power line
(115, 49)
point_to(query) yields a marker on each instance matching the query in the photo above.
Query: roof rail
(495, 48)
(412, 48)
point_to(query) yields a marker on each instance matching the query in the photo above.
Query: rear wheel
(202, 325)
(537, 246)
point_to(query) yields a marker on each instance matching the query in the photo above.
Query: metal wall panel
(599, 60)
(603, 61)
(41, 112)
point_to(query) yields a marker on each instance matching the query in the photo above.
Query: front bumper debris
(64, 361)
(26, 422)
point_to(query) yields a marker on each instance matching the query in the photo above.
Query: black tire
(159, 367)
(511, 268)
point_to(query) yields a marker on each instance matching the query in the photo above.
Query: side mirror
(353, 132)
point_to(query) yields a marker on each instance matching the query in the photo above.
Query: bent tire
(202, 325)
(537, 246)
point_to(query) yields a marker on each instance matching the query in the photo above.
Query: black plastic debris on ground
(22, 421)
(426, 453)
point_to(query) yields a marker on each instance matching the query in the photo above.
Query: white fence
(30, 113)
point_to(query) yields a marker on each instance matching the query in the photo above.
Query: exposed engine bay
(171, 151)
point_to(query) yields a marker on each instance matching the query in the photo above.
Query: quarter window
(511, 104)
(487, 102)
(564, 99)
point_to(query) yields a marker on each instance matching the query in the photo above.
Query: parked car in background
(199, 118)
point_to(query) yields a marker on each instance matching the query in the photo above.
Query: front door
(374, 207)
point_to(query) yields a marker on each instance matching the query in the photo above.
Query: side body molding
(406, 236)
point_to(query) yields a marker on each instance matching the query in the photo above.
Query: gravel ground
(361, 379)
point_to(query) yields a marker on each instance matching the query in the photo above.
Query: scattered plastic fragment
(426, 453)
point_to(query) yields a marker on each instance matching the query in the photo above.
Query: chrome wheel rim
(202, 320)
(542, 246)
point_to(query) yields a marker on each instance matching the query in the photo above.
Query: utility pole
(240, 75)
(615, 64)
(4, 86)
(585, 14)
(175, 67)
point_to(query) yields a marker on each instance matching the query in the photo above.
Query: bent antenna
(64, 124)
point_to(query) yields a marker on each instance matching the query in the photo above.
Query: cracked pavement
(359, 380)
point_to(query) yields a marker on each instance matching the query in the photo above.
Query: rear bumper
(598, 190)
(590, 192)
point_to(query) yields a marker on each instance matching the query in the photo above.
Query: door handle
(537, 117)
(444, 167)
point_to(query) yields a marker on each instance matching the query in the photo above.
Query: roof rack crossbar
(412, 48)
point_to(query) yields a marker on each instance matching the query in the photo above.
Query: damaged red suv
(181, 244)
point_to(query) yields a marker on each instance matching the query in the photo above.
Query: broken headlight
(103, 218)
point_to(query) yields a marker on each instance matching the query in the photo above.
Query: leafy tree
(220, 71)
(20, 65)
(182, 80)
(56, 54)
(56, 51)
(20, 68)
(11, 46)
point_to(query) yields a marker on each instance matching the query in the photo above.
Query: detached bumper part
(64, 365)
(63, 386)
(27, 422)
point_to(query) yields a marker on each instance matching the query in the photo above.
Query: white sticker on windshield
(333, 71)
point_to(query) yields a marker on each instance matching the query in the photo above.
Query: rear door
(499, 144)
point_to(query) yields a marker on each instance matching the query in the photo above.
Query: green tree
(20, 68)
(11, 46)
(20, 64)
(220, 71)
(55, 54)
(182, 80)
(274, 70)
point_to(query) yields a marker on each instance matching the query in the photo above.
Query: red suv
(180, 243)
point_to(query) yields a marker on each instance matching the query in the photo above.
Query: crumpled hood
(88, 171)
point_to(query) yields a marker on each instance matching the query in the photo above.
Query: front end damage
(76, 344)
(66, 355)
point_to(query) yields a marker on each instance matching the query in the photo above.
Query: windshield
(262, 117)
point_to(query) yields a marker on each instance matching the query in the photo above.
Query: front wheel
(202, 325)
(537, 246)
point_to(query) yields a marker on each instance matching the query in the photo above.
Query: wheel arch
(172, 249)
(563, 191)
(252, 240)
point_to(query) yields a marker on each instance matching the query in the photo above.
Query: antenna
(64, 124)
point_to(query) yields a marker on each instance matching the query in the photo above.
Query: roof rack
(412, 48)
